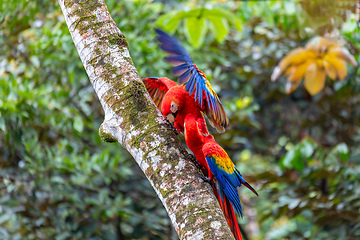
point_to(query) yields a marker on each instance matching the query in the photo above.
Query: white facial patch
(170, 117)
(174, 107)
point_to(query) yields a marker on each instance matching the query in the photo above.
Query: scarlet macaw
(185, 106)
(181, 108)
(220, 166)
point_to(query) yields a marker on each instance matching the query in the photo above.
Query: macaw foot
(172, 126)
(193, 160)
(205, 179)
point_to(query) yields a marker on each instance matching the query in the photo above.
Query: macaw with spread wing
(182, 109)
(185, 106)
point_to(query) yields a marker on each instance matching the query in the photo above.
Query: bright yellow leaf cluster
(319, 58)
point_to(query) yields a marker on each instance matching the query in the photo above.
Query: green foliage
(198, 20)
(316, 201)
(59, 181)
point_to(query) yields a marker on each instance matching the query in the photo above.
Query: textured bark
(132, 119)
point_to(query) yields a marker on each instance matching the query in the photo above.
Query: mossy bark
(132, 119)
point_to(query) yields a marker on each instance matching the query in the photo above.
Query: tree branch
(132, 119)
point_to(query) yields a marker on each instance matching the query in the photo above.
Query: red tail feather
(234, 226)
(228, 212)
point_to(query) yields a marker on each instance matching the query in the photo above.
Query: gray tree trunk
(132, 119)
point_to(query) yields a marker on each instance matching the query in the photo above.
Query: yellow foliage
(321, 57)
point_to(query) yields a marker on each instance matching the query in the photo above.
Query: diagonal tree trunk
(132, 119)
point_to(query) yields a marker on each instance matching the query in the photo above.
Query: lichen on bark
(118, 39)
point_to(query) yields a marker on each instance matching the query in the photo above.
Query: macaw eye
(174, 107)
(170, 117)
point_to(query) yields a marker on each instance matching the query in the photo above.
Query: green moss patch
(117, 40)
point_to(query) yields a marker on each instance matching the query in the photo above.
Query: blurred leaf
(343, 151)
(220, 28)
(355, 158)
(169, 21)
(197, 21)
(228, 15)
(306, 148)
(78, 124)
(2, 124)
(195, 30)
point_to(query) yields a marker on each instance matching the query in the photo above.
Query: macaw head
(173, 102)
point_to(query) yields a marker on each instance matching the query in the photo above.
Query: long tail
(228, 212)
(231, 218)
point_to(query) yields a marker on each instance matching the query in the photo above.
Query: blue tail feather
(229, 183)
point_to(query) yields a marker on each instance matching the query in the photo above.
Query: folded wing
(227, 176)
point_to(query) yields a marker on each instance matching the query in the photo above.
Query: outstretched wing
(157, 88)
(196, 82)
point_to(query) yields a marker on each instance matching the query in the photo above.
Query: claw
(205, 179)
(172, 126)
(193, 160)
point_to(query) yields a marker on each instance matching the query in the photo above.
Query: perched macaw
(186, 105)
(175, 104)
(195, 81)
(210, 155)
(182, 109)
(220, 166)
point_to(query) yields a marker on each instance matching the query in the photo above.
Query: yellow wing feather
(224, 163)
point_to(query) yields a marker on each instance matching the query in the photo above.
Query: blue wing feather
(180, 69)
(171, 45)
(175, 60)
(184, 77)
(195, 79)
(196, 92)
(170, 50)
(190, 85)
(199, 93)
(232, 194)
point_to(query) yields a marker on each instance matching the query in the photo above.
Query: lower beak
(170, 117)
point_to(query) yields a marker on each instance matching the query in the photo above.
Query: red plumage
(200, 144)
(175, 103)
